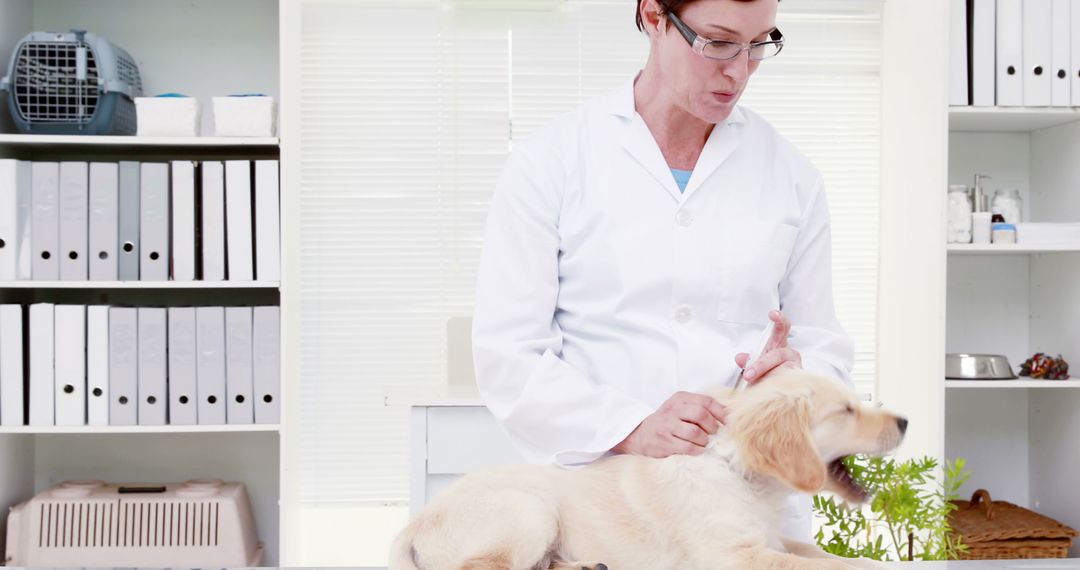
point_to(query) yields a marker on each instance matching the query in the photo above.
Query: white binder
(97, 364)
(213, 221)
(1074, 53)
(104, 221)
(183, 220)
(238, 220)
(45, 221)
(42, 373)
(266, 354)
(123, 366)
(958, 53)
(74, 233)
(1061, 48)
(1010, 54)
(154, 222)
(983, 49)
(183, 390)
(130, 212)
(1037, 42)
(153, 401)
(11, 366)
(70, 365)
(267, 222)
(239, 384)
(210, 368)
(15, 199)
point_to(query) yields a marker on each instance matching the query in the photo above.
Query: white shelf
(1009, 119)
(131, 141)
(139, 284)
(1012, 384)
(51, 430)
(1008, 249)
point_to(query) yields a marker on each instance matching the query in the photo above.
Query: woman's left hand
(777, 353)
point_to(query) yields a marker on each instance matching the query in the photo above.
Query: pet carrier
(73, 83)
(201, 523)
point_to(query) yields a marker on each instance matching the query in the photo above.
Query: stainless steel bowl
(977, 367)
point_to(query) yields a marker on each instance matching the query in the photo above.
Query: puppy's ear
(773, 435)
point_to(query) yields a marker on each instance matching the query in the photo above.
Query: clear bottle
(959, 214)
(1012, 206)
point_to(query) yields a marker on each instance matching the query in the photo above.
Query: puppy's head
(798, 427)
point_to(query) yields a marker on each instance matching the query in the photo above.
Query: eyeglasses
(724, 50)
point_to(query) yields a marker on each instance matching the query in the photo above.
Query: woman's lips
(724, 96)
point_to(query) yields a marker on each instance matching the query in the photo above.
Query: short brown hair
(668, 6)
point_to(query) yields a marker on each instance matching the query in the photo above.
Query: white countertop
(433, 396)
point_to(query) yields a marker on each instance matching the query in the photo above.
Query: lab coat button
(683, 218)
(683, 314)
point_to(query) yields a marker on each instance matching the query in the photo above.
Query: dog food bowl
(978, 367)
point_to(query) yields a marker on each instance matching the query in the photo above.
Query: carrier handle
(983, 496)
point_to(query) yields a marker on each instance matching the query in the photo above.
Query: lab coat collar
(722, 142)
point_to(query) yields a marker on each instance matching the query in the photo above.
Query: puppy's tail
(401, 553)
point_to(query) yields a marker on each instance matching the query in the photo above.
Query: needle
(760, 348)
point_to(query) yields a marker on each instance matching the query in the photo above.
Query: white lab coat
(602, 290)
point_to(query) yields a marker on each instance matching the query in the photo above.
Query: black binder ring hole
(1038, 70)
(2, 243)
(73, 255)
(239, 398)
(129, 247)
(45, 255)
(1062, 74)
(151, 400)
(268, 398)
(1011, 70)
(98, 392)
(123, 399)
(68, 388)
(154, 255)
(183, 399)
(103, 255)
(212, 399)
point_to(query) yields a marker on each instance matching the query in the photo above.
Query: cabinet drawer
(463, 439)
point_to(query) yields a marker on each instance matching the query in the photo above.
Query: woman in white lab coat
(608, 292)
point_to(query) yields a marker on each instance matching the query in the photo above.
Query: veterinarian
(636, 249)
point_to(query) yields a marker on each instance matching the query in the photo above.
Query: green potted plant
(906, 518)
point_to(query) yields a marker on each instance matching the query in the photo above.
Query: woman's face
(709, 89)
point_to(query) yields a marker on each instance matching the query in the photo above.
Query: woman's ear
(773, 435)
(652, 17)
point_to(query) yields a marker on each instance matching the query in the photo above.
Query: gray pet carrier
(73, 83)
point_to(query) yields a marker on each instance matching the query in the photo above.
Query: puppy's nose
(902, 424)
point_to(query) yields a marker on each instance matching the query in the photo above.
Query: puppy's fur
(721, 509)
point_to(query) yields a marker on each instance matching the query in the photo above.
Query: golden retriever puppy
(721, 509)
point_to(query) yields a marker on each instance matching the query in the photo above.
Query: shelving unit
(1009, 249)
(1025, 384)
(201, 48)
(1018, 436)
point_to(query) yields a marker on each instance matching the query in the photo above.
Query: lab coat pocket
(754, 256)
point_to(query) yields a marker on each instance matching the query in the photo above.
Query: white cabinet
(201, 48)
(1019, 437)
(451, 433)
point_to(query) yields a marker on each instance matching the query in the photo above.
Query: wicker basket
(997, 530)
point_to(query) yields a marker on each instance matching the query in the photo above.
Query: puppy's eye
(849, 409)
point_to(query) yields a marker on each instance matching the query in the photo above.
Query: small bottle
(1003, 233)
(997, 217)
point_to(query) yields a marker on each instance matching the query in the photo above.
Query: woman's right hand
(682, 426)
